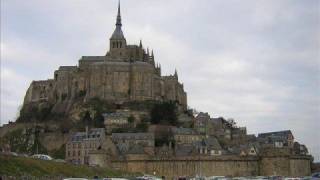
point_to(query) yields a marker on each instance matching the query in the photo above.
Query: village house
(250, 149)
(277, 139)
(300, 149)
(209, 146)
(126, 141)
(201, 123)
(186, 135)
(81, 143)
(116, 120)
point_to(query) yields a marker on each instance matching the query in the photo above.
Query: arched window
(120, 44)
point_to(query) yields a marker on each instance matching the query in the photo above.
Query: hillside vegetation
(21, 166)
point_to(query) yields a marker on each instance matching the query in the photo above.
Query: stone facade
(116, 120)
(186, 136)
(81, 143)
(125, 73)
(218, 166)
(277, 139)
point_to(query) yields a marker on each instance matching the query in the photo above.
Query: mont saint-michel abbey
(125, 73)
(117, 111)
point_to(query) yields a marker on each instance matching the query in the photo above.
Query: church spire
(118, 34)
(118, 23)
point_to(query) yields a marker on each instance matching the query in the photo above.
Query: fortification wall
(218, 166)
(285, 165)
(39, 90)
(300, 167)
(175, 167)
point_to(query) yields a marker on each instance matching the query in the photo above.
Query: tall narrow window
(120, 44)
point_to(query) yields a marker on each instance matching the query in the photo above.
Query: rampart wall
(218, 166)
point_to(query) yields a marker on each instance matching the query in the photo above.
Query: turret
(176, 74)
(152, 58)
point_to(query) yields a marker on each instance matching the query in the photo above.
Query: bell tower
(117, 41)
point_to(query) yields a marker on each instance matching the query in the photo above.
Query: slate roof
(245, 148)
(276, 133)
(212, 143)
(78, 136)
(136, 149)
(185, 131)
(117, 34)
(141, 136)
(204, 115)
(96, 132)
(92, 134)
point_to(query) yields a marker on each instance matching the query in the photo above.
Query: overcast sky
(255, 61)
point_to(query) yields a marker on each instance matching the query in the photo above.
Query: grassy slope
(18, 166)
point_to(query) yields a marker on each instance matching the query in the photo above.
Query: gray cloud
(255, 61)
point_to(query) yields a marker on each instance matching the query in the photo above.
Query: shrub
(164, 113)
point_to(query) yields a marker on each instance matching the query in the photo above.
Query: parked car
(59, 160)
(148, 177)
(13, 153)
(315, 176)
(42, 157)
(215, 178)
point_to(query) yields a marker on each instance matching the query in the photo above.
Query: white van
(42, 157)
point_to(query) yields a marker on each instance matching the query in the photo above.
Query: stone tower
(117, 41)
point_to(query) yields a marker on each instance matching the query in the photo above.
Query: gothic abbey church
(125, 73)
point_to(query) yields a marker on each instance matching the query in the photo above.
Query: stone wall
(218, 166)
(175, 167)
(300, 167)
(117, 81)
(285, 165)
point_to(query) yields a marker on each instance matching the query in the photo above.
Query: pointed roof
(118, 23)
(118, 34)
